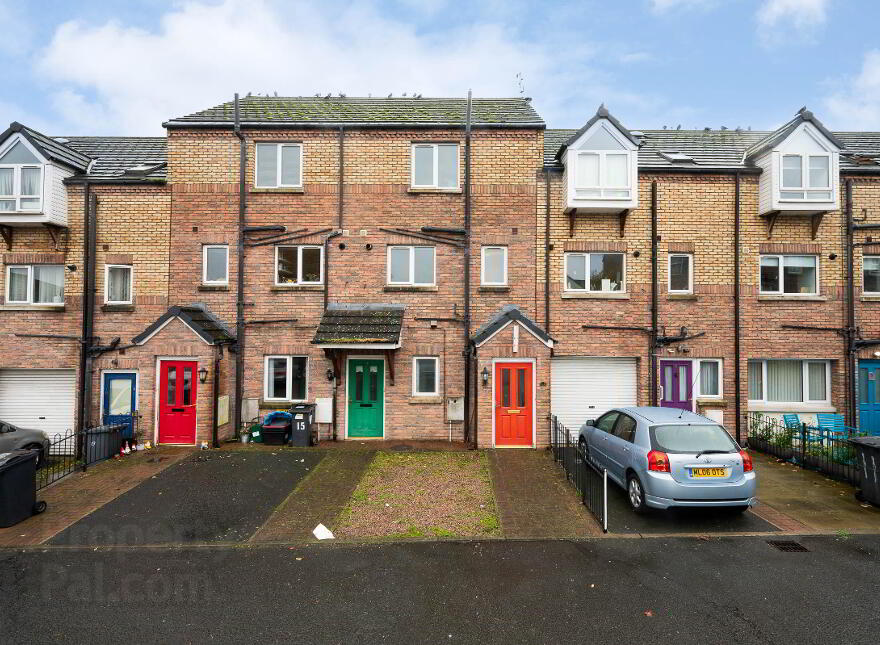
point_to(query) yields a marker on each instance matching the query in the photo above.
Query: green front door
(366, 397)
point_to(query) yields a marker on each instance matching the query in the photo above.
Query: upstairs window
(871, 274)
(117, 284)
(602, 168)
(681, 273)
(790, 274)
(38, 284)
(278, 165)
(435, 165)
(806, 178)
(215, 264)
(411, 265)
(21, 180)
(594, 272)
(494, 269)
(299, 265)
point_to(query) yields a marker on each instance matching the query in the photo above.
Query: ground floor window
(710, 377)
(425, 375)
(789, 381)
(285, 378)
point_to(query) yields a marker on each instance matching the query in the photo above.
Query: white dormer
(800, 163)
(601, 167)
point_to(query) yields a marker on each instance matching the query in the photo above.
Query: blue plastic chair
(831, 425)
(792, 421)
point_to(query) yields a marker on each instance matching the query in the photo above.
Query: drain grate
(789, 546)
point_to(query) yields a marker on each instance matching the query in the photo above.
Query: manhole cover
(401, 448)
(789, 546)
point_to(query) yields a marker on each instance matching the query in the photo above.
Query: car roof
(653, 414)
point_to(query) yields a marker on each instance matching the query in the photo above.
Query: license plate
(708, 472)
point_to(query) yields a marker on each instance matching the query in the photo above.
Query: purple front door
(677, 385)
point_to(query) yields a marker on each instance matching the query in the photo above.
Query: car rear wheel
(39, 449)
(583, 451)
(635, 494)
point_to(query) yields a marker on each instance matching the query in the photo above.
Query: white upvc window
(285, 378)
(215, 264)
(35, 284)
(118, 284)
(602, 174)
(681, 273)
(805, 177)
(790, 381)
(434, 165)
(411, 265)
(789, 275)
(595, 272)
(21, 179)
(425, 376)
(494, 266)
(299, 265)
(709, 381)
(871, 274)
(278, 165)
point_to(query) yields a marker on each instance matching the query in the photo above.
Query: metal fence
(68, 453)
(590, 482)
(826, 451)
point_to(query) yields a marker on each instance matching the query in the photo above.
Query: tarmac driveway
(212, 496)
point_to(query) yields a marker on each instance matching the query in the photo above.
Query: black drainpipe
(90, 207)
(341, 173)
(547, 250)
(467, 280)
(737, 376)
(654, 314)
(850, 336)
(239, 300)
(326, 299)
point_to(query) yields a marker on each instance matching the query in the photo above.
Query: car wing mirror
(591, 422)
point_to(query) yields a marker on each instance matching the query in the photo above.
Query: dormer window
(602, 175)
(806, 177)
(21, 179)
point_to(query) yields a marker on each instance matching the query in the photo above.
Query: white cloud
(779, 20)
(856, 106)
(662, 6)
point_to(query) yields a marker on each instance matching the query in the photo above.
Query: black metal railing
(826, 451)
(590, 482)
(75, 451)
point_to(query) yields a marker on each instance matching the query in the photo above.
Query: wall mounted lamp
(485, 375)
(203, 374)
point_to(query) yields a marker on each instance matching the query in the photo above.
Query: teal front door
(366, 397)
(869, 397)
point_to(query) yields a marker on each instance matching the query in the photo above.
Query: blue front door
(120, 400)
(869, 397)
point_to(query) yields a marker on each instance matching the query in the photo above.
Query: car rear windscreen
(693, 438)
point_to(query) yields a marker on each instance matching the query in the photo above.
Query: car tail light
(747, 461)
(658, 461)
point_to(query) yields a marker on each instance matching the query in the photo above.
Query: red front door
(177, 401)
(513, 404)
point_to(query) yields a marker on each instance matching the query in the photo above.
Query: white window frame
(805, 186)
(289, 392)
(415, 375)
(205, 248)
(299, 264)
(586, 289)
(864, 291)
(781, 291)
(435, 183)
(278, 148)
(602, 187)
(107, 268)
(690, 287)
(805, 386)
(483, 280)
(16, 179)
(698, 393)
(412, 265)
(30, 286)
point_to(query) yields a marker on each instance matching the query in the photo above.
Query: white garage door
(582, 388)
(41, 399)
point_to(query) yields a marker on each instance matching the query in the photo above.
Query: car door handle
(42, 418)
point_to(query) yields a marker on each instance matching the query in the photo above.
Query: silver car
(15, 438)
(665, 457)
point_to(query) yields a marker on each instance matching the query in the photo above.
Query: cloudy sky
(102, 67)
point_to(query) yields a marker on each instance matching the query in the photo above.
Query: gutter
(307, 125)
(239, 300)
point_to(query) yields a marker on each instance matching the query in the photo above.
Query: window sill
(870, 298)
(682, 296)
(404, 287)
(597, 295)
(277, 190)
(449, 191)
(790, 407)
(31, 307)
(494, 288)
(427, 399)
(707, 402)
(297, 287)
(213, 287)
(791, 298)
(279, 404)
(120, 307)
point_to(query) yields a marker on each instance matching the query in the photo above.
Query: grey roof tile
(399, 111)
(502, 317)
(373, 323)
(197, 316)
(114, 155)
(49, 147)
